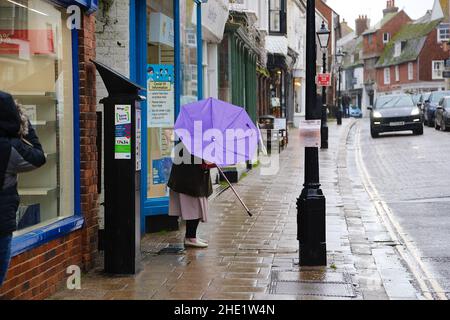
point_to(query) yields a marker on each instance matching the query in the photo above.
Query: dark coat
(16, 156)
(191, 179)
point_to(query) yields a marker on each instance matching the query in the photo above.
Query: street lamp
(339, 59)
(324, 39)
(311, 205)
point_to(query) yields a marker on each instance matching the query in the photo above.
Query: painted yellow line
(410, 252)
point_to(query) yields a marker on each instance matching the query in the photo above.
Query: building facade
(45, 64)
(375, 41)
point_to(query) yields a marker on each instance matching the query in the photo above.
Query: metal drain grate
(172, 249)
(293, 283)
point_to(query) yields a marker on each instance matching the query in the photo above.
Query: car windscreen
(394, 102)
(416, 98)
(438, 95)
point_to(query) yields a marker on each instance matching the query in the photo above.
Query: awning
(277, 45)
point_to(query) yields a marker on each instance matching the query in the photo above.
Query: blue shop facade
(166, 59)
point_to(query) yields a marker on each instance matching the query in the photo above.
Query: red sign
(324, 79)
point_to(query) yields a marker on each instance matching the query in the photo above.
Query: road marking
(409, 252)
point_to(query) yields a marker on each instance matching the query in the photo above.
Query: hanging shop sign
(161, 102)
(122, 132)
(214, 17)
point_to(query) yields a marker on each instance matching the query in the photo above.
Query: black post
(324, 125)
(311, 206)
(339, 112)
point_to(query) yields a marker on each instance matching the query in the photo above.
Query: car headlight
(377, 114)
(415, 112)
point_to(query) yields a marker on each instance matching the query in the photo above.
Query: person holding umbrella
(235, 140)
(190, 186)
(20, 151)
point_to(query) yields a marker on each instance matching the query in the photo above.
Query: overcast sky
(351, 9)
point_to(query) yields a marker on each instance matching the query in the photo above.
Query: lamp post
(311, 205)
(339, 59)
(324, 39)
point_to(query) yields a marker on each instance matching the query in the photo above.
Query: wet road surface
(412, 175)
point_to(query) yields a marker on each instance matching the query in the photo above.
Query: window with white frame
(386, 37)
(444, 32)
(438, 68)
(410, 71)
(397, 73)
(398, 49)
(387, 76)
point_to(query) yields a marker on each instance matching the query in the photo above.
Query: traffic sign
(324, 79)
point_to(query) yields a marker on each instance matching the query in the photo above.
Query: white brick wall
(113, 49)
(113, 39)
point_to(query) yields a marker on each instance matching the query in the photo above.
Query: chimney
(390, 8)
(362, 24)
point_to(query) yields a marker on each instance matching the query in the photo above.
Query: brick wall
(432, 51)
(36, 274)
(403, 79)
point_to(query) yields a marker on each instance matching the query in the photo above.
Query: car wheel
(418, 132)
(430, 123)
(374, 134)
(436, 126)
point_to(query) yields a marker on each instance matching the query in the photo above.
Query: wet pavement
(257, 258)
(411, 175)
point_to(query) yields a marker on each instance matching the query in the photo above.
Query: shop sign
(122, 132)
(161, 30)
(310, 133)
(324, 79)
(161, 101)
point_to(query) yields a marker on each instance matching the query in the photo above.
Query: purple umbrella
(218, 132)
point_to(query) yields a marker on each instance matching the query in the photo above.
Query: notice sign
(138, 139)
(161, 101)
(324, 79)
(310, 133)
(122, 148)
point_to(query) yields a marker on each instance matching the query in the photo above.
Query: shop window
(188, 49)
(36, 68)
(277, 16)
(161, 94)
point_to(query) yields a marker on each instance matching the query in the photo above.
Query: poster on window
(122, 147)
(161, 170)
(161, 102)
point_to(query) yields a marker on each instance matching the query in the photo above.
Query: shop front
(44, 65)
(166, 59)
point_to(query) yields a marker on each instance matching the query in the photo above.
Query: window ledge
(38, 237)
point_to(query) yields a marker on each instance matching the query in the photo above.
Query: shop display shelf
(37, 192)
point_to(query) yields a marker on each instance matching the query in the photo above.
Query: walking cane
(232, 188)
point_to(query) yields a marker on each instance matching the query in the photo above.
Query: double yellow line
(410, 254)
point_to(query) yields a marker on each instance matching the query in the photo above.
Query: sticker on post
(310, 133)
(122, 146)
